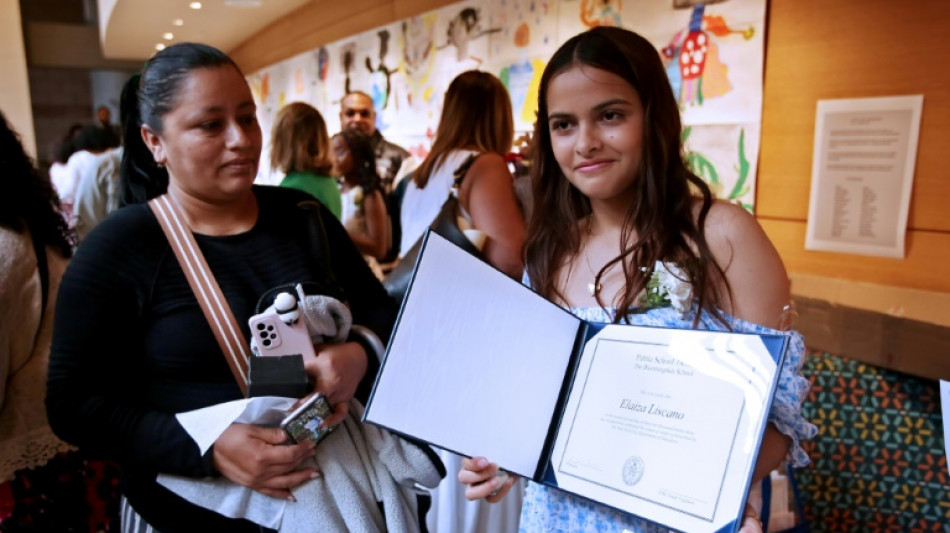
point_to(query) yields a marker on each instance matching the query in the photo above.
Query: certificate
(661, 423)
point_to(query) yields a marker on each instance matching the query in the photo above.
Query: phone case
(304, 422)
(271, 336)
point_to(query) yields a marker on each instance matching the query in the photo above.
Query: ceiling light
(168, 36)
(160, 46)
(243, 3)
(195, 5)
(178, 22)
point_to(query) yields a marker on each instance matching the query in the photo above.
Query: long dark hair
(360, 145)
(146, 99)
(476, 114)
(659, 224)
(28, 200)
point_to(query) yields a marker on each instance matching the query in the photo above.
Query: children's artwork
(713, 51)
(725, 156)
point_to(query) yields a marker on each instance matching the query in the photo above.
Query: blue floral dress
(551, 510)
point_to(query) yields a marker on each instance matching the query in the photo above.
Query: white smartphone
(273, 333)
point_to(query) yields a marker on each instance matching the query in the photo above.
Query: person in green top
(300, 147)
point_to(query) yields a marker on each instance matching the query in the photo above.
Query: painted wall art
(713, 51)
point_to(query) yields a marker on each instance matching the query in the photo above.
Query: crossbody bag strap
(463, 169)
(206, 289)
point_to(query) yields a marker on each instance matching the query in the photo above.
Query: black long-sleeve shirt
(131, 346)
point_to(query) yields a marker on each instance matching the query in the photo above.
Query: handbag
(446, 225)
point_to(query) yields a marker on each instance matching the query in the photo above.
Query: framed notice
(862, 174)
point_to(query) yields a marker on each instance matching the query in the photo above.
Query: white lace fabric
(26, 440)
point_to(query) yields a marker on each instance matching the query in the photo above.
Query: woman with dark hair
(364, 210)
(35, 246)
(476, 124)
(133, 348)
(615, 205)
(300, 148)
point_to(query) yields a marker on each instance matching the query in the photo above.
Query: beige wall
(14, 83)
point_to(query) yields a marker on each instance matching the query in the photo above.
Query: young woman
(476, 120)
(613, 195)
(364, 210)
(300, 148)
(132, 347)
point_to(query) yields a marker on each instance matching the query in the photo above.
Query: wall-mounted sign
(862, 174)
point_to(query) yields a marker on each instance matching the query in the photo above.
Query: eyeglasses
(350, 113)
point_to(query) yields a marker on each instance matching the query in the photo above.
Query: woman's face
(211, 141)
(595, 119)
(342, 155)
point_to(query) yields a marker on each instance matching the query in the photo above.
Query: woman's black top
(131, 346)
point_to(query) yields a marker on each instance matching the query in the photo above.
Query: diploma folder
(661, 423)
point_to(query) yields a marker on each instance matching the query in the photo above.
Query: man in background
(110, 131)
(357, 112)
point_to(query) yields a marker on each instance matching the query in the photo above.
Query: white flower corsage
(668, 286)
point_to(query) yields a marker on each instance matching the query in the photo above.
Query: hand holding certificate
(660, 423)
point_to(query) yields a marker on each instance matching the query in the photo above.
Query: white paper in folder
(494, 352)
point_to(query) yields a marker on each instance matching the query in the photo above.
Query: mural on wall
(713, 51)
(601, 13)
(465, 27)
(380, 74)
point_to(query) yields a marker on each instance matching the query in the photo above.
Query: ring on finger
(503, 477)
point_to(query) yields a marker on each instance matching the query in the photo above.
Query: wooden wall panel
(817, 49)
(408, 8)
(314, 24)
(925, 267)
(321, 22)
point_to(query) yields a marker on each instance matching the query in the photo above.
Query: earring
(159, 164)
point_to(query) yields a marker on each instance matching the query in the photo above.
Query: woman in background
(614, 201)
(476, 129)
(39, 490)
(300, 148)
(476, 122)
(364, 210)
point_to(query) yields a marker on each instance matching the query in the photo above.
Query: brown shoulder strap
(206, 289)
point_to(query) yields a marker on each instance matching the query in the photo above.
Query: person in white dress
(476, 121)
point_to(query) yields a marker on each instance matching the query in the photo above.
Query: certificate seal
(632, 471)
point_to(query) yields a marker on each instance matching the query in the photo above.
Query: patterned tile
(878, 462)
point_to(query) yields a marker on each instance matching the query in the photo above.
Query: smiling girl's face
(596, 123)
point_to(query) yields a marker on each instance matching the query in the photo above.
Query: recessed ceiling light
(168, 36)
(178, 22)
(195, 5)
(160, 46)
(243, 3)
